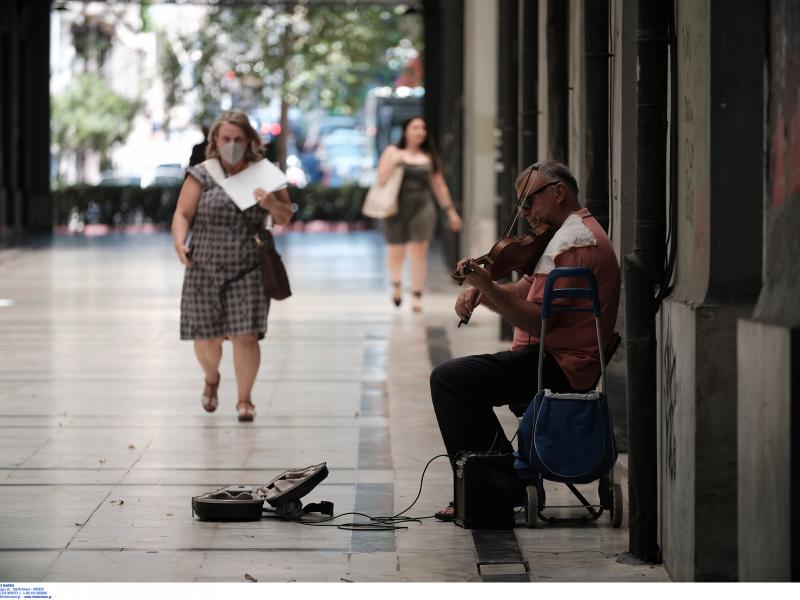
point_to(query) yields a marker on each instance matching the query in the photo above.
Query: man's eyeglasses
(527, 202)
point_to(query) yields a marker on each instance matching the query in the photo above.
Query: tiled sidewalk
(103, 440)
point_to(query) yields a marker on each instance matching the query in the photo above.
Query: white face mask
(232, 152)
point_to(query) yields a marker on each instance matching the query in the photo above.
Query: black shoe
(397, 298)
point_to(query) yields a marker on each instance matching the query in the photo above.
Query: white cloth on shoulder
(572, 234)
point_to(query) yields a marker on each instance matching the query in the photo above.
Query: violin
(511, 253)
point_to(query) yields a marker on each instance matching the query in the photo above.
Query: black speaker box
(486, 490)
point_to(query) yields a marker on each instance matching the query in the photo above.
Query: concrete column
(622, 128)
(444, 100)
(556, 68)
(5, 34)
(38, 212)
(553, 80)
(720, 132)
(768, 344)
(480, 107)
(576, 96)
(543, 125)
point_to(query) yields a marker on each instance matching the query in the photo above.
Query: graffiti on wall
(784, 103)
(669, 395)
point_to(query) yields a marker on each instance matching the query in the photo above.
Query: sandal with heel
(209, 399)
(416, 301)
(397, 298)
(245, 410)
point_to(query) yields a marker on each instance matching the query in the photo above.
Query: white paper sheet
(263, 174)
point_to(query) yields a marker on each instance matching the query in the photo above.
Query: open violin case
(246, 502)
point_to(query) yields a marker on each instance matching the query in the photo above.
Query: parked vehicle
(167, 175)
(116, 178)
(344, 158)
(328, 126)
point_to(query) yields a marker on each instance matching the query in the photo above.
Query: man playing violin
(465, 390)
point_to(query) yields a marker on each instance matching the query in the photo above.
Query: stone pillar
(25, 202)
(720, 133)
(553, 80)
(622, 128)
(444, 97)
(38, 216)
(480, 107)
(577, 94)
(768, 344)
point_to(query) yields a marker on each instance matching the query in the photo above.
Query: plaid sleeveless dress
(222, 292)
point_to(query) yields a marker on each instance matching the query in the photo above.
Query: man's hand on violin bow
(466, 303)
(475, 274)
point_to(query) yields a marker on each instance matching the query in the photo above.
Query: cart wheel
(617, 508)
(532, 515)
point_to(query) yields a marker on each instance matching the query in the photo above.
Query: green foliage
(90, 115)
(122, 205)
(317, 203)
(307, 55)
(128, 204)
(170, 75)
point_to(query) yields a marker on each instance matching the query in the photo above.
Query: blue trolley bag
(568, 437)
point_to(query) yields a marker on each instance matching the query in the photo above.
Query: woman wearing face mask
(413, 226)
(223, 297)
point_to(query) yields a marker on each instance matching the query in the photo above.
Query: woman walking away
(413, 226)
(223, 297)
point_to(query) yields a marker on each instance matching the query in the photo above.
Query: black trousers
(465, 389)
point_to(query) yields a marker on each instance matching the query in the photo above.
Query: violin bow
(508, 231)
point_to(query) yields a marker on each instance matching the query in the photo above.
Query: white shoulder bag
(381, 201)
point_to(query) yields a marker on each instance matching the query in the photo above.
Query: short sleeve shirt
(573, 339)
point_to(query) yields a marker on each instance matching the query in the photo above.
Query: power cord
(376, 523)
(386, 523)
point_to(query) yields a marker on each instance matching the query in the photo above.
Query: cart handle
(589, 293)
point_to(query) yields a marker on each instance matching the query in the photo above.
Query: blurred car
(165, 175)
(344, 158)
(311, 166)
(116, 178)
(326, 127)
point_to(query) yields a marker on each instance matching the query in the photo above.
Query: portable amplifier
(486, 490)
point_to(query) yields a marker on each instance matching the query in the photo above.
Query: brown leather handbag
(273, 273)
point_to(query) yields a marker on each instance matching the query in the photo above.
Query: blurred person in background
(199, 150)
(413, 226)
(223, 297)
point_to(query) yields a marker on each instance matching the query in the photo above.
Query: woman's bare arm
(278, 205)
(442, 194)
(387, 163)
(188, 199)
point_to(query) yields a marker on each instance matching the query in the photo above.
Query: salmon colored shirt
(573, 339)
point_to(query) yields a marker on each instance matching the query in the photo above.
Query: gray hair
(553, 171)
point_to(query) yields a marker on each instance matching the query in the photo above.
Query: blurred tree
(89, 115)
(304, 55)
(170, 75)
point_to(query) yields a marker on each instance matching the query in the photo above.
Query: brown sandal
(416, 301)
(246, 411)
(448, 513)
(209, 399)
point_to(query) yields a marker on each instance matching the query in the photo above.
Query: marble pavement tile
(278, 566)
(26, 566)
(127, 566)
(45, 517)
